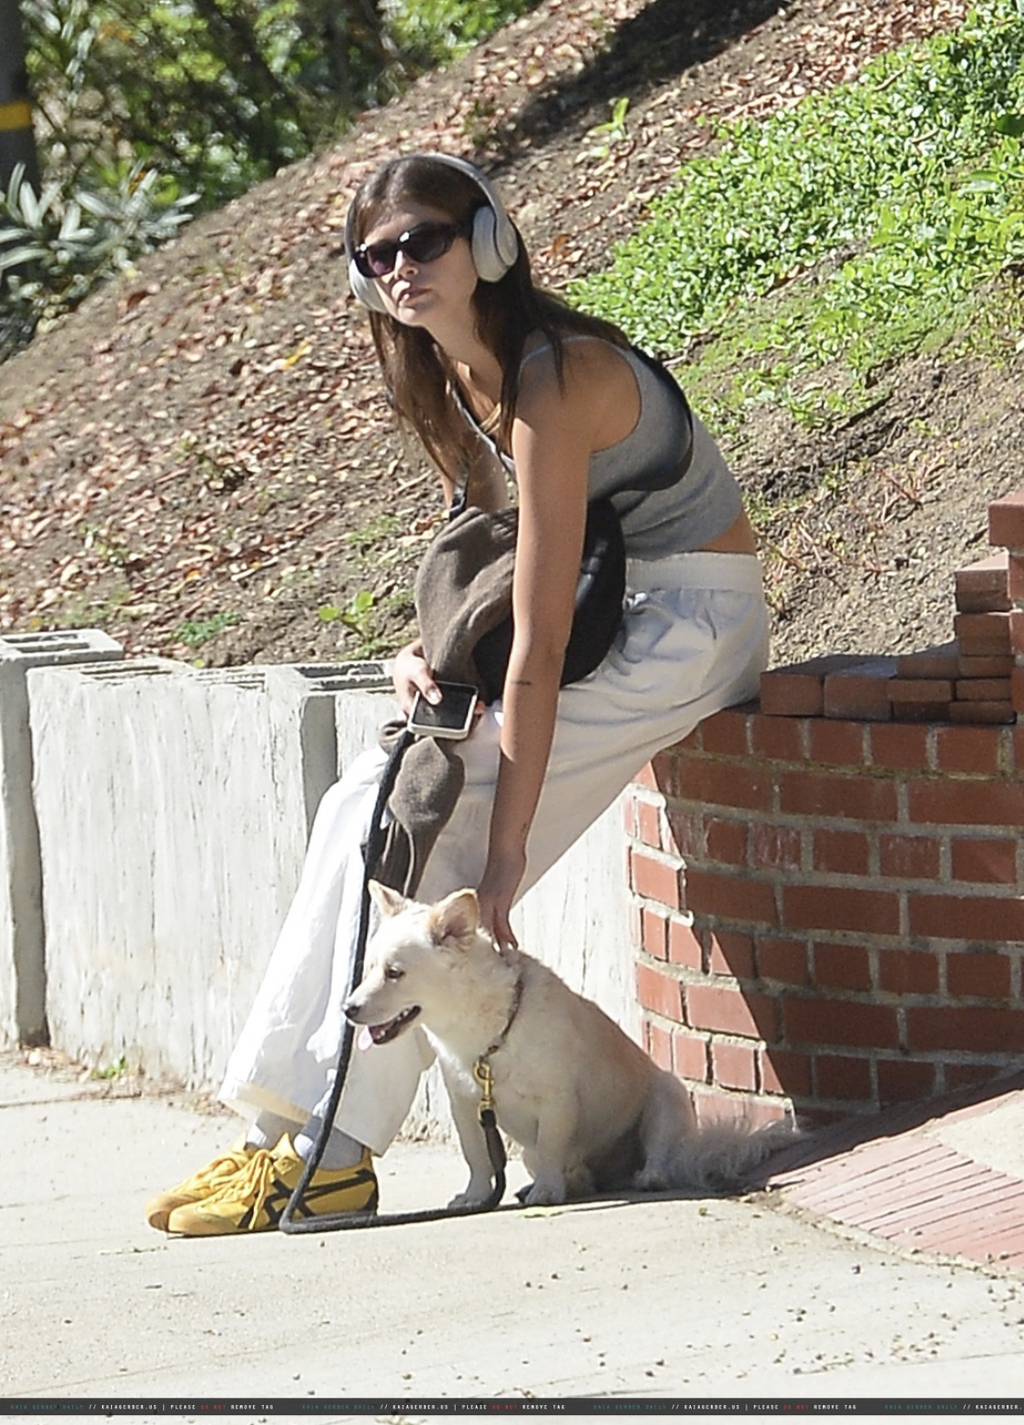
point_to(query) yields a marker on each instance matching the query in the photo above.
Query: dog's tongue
(383, 1033)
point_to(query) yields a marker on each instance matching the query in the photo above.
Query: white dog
(590, 1109)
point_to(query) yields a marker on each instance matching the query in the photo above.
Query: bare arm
(551, 444)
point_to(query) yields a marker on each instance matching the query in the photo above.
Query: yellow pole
(15, 116)
(17, 140)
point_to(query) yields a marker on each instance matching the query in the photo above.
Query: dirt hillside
(200, 461)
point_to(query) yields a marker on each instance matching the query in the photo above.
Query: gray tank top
(667, 479)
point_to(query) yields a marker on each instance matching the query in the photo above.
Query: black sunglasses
(424, 243)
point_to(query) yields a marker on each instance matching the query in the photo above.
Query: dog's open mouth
(384, 1033)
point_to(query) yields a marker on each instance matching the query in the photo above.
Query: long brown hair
(418, 374)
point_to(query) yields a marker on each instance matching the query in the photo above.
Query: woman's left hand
(496, 894)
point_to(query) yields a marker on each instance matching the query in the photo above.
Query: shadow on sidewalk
(839, 1138)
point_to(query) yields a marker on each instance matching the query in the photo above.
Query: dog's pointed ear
(387, 901)
(456, 917)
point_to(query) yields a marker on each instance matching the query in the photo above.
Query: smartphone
(451, 717)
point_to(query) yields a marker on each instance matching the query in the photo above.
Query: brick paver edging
(899, 1181)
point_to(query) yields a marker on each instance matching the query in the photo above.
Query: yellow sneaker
(253, 1199)
(199, 1185)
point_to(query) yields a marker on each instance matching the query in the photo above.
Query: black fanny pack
(598, 607)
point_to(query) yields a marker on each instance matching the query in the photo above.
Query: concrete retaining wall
(173, 810)
(22, 976)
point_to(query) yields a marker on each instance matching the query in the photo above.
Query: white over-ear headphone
(494, 242)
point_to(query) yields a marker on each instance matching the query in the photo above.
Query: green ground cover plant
(197, 632)
(813, 249)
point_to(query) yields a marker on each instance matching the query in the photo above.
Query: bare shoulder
(597, 386)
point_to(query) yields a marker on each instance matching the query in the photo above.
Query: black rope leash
(348, 1221)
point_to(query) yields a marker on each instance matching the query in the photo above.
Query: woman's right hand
(411, 674)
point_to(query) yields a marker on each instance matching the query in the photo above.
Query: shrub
(56, 247)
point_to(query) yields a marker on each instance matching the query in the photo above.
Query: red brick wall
(829, 912)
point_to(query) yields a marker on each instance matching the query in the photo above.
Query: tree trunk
(354, 26)
(17, 140)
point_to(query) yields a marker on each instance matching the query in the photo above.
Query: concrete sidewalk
(650, 1299)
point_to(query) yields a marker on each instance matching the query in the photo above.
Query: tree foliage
(146, 107)
(217, 94)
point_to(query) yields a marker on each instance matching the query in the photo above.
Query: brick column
(1006, 528)
(830, 883)
(831, 912)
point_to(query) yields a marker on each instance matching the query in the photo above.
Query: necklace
(491, 421)
(488, 424)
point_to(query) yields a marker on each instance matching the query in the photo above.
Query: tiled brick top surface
(878, 748)
(972, 679)
(893, 1177)
(977, 678)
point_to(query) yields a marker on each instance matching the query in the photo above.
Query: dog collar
(517, 1000)
(482, 1068)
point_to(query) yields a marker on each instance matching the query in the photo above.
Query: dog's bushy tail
(724, 1157)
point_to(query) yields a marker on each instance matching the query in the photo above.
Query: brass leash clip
(484, 1077)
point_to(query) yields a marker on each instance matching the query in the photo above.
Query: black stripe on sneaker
(316, 1190)
(278, 1197)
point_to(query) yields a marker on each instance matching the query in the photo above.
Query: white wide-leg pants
(694, 640)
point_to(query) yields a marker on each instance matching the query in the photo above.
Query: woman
(498, 380)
